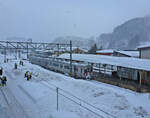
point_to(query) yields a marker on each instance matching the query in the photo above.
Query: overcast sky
(47, 19)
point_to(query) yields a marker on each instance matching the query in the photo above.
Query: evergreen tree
(93, 49)
(101, 48)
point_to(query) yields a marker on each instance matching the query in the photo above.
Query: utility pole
(57, 49)
(19, 54)
(70, 58)
(27, 50)
(5, 55)
(57, 97)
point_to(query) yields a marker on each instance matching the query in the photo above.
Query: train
(82, 70)
(79, 70)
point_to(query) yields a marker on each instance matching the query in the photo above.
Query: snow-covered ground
(38, 99)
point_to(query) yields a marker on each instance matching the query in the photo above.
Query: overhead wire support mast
(70, 58)
(31, 46)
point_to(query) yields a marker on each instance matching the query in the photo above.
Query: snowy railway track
(14, 107)
(112, 86)
(97, 111)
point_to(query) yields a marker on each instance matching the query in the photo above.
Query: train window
(66, 67)
(91, 69)
(81, 70)
(55, 64)
(85, 70)
(46, 63)
(75, 69)
(61, 65)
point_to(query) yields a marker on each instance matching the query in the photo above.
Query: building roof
(130, 53)
(134, 63)
(105, 51)
(144, 46)
(74, 48)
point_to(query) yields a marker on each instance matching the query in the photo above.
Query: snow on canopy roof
(130, 53)
(105, 51)
(134, 63)
(43, 50)
(144, 46)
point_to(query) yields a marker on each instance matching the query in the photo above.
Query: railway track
(80, 102)
(15, 109)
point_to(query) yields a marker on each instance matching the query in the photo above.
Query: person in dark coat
(26, 73)
(15, 66)
(3, 80)
(28, 77)
(1, 71)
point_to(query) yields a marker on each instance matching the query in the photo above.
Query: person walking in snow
(15, 66)
(21, 62)
(3, 80)
(25, 74)
(1, 71)
(88, 76)
(30, 75)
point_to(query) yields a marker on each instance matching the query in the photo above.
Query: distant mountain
(76, 41)
(128, 35)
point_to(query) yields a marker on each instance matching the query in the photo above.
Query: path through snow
(38, 96)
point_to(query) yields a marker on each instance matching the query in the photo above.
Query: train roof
(58, 60)
(128, 62)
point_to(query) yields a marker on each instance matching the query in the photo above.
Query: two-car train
(79, 70)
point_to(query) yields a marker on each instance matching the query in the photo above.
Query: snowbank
(39, 99)
(64, 114)
(2, 112)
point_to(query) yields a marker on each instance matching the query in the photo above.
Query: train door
(148, 77)
(75, 71)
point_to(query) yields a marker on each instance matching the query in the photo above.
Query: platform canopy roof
(128, 62)
(105, 51)
(147, 45)
(129, 53)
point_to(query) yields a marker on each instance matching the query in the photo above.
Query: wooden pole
(104, 70)
(111, 70)
(119, 68)
(99, 67)
(140, 72)
(120, 73)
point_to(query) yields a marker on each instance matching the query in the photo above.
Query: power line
(79, 100)
(80, 105)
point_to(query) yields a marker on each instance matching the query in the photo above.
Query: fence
(87, 106)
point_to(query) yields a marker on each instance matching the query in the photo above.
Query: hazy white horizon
(48, 19)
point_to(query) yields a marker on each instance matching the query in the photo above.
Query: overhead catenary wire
(78, 99)
(88, 103)
(73, 101)
(81, 105)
